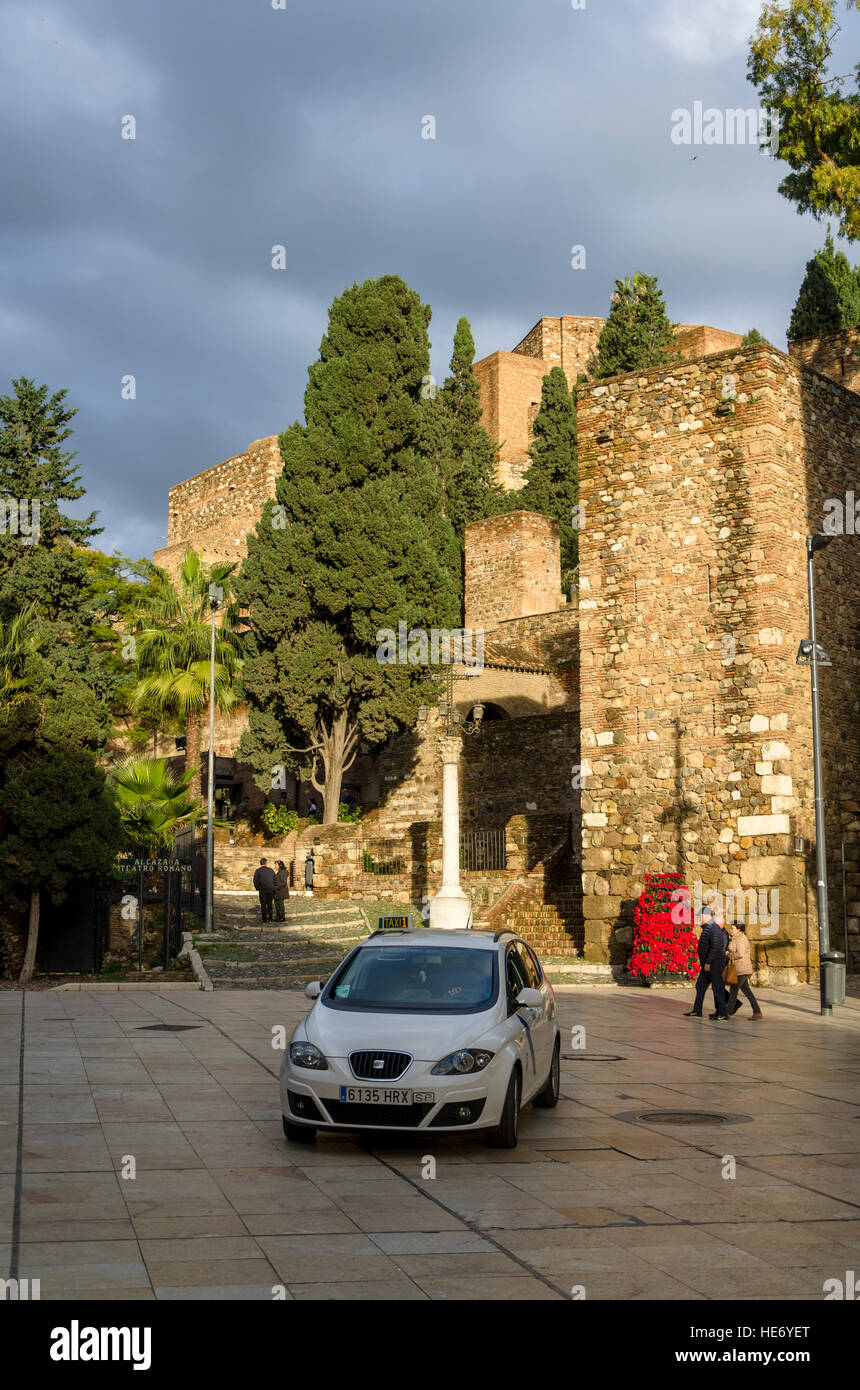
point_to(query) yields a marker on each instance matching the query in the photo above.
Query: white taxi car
(425, 1030)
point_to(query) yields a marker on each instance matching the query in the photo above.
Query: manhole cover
(681, 1117)
(167, 1027)
(592, 1057)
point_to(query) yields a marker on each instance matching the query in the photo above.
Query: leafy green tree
(57, 822)
(829, 297)
(355, 542)
(172, 634)
(637, 334)
(819, 124)
(472, 490)
(552, 480)
(39, 543)
(153, 803)
(753, 336)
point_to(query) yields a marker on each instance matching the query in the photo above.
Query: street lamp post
(216, 593)
(830, 977)
(450, 908)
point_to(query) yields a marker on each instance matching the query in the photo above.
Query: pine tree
(753, 336)
(829, 297)
(37, 476)
(551, 480)
(57, 822)
(470, 457)
(637, 333)
(355, 542)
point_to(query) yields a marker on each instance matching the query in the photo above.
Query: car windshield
(420, 978)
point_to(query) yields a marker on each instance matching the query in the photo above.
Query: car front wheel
(547, 1098)
(298, 1134)
(505, 1134)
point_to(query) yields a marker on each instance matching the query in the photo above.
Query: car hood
(428, 1037)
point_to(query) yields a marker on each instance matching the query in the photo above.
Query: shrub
(278, 820)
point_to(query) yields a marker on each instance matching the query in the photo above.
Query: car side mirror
(529, 999)
(314, 990)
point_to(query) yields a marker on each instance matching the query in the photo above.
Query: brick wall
(568, 342)
(510, 387)
(837, 356)
(700, 340)
(695, 720)
(215, 510)
(512, 568)
(511, 382)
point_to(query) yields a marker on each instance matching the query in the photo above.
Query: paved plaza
(595, 1199)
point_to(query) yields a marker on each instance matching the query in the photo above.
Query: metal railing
(483, 851)
(382, 857)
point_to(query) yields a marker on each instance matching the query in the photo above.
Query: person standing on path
(282, 890)
(740, 965)
(309, 874)
(712, 959)
(264, 882)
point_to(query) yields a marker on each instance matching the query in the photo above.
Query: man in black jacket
(264, 882)
(713, 944)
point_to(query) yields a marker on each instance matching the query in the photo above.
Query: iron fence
(483, 850)
(382, 857)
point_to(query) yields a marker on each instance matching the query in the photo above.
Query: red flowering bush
(662, 935)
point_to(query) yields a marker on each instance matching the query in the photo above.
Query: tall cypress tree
(552, 480)
(37, 477)
(470, 457)
(355, 542)
(829, 298)
(638, 332)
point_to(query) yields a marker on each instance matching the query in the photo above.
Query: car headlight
(304, 1054)
(469, 1059)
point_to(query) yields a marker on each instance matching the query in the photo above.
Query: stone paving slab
(222, 1208)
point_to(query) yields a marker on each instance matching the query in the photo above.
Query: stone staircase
(245, 953)
(551, 927)
(544, 906)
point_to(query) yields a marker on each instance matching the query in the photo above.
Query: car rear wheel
(505, 1134)
(298, 1134)
(547, 1098)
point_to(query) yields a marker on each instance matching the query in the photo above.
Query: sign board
(149, 866)
(401, 923)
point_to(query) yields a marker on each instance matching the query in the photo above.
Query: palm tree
(172, 634)
(153, 802)
(20, 638)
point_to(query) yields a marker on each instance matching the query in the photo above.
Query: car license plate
(384, 1095)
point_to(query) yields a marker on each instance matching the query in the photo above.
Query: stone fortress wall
(696, 723)
(511, 381)
(837, 356)
(678, 658)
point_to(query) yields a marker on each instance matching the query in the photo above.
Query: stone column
(451, 907)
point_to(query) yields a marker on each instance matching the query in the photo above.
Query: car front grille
(349, 1115)
(366, 1065)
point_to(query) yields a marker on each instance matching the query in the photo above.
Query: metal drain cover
(681, 1117)
(592, 1057)
(167, 1027)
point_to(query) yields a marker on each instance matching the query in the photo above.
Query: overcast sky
(302, 126)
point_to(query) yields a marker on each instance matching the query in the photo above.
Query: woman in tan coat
(739, 964)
